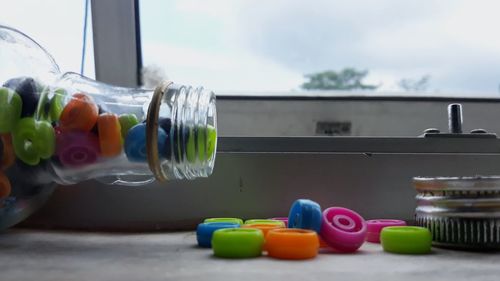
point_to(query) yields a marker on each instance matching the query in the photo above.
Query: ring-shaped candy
(8, 154)
(305, 214)
(135, 143)
(127, 121)
(283, 219)
(33, 140)
(204, 232)
(110, 135)
(10, 109)
(295, 244)
(264, 227)
(80, 114)
(57, 104)
(227, 220)
(76, 149)
(264, 221)
(5, 187)
(406, 240)
(374, 227)
(343, 238)
(237, 242)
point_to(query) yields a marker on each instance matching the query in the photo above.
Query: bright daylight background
(444, 47)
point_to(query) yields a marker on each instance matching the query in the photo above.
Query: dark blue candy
(204, 232)
(305, 214)
(135, 143)
(27, 89)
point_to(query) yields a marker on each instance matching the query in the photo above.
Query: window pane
(436, 47)
(55, 25)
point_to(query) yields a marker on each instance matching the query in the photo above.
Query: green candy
(409, 240)
(228, 220)
(237, 242)
(57, 104)
(10, 109)
(127, 121)
(206, 146)
(33, 140)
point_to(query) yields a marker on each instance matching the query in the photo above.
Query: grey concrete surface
(41, 255)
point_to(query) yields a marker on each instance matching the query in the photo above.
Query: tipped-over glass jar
(66, 128)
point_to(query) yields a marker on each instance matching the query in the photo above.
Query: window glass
(55, 25)
(388, 46)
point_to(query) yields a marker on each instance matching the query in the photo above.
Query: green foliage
(347, 79)
(415, 85)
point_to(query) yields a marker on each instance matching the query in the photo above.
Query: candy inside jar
(66, 128)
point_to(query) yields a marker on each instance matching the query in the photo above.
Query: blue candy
(204, 232)
(305, 214)
(135, 143)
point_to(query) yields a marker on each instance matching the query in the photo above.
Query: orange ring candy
(265, 228)
(292, 244)
(9, 156)
(110, 134)
(5, 187)
(80, 113)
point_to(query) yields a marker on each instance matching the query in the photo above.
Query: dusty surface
(41, 255)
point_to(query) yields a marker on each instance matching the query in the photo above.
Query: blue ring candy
(305, 214)
(205, 230)
(135, 143)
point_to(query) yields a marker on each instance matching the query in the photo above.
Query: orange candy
(9, 156)
(80, 113)
(5, 187)
(294, 244)
(110, 136)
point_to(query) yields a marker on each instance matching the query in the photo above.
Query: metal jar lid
(461, 212)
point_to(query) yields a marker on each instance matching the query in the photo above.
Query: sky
(268, 46)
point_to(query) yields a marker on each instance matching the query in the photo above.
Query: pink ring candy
(374, 227)
(283, 219)
(76, 149)
(342, 229)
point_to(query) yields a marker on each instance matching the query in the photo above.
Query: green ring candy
(228, 220)
(237, 242)
(57, 104)
(406, 240)
(206, 147)
(11, 106)
(127, 121)
(33, 140)
(265, 221)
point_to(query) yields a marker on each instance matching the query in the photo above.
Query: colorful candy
(342, 229)
(406, 240)
(305, 214)
(204, 232)
(10, 109)
(229, 220)
(5, 187)
(135, 143)
(294, 244)
(264, 221)
(237, 243)
(79, 114)
(27, 88)
(8, 154)
(110, 136)
(76, 149)
(127, 121)
(57, 105)
(374, 227)
(33, 140)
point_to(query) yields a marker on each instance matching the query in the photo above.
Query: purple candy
(76, 149)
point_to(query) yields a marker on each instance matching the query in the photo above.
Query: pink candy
(283, 219)
(375, 227)
(343, 229)
(76, 149)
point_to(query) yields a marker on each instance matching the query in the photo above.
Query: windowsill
(42, 255)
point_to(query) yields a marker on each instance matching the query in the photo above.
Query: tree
(415, 85)
(346, 79)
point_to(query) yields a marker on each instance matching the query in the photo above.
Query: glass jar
(63, 128)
